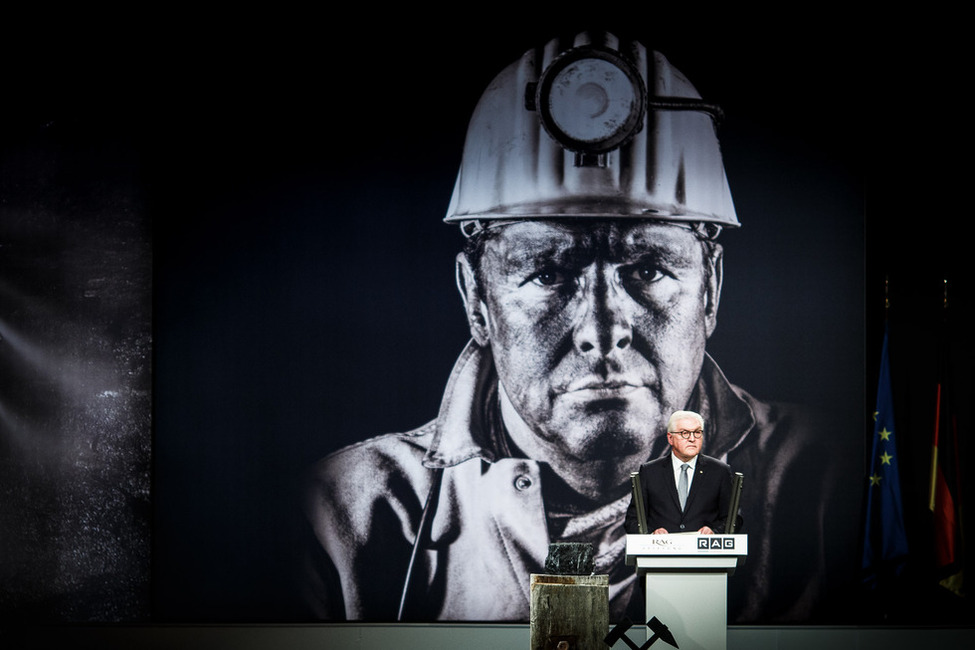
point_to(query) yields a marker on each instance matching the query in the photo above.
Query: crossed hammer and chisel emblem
(660, 632)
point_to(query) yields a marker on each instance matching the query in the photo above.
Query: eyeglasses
(686, 435)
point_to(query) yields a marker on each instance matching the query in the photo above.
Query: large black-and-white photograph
(593, 201)
(355, 322)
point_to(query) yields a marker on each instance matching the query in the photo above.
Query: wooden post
(569, 612)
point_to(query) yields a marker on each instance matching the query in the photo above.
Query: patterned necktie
(682, 485)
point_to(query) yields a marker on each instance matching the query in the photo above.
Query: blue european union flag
(884, 539)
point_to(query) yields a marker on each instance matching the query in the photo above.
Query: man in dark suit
(684, 491)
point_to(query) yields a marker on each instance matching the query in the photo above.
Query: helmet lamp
(590, 100)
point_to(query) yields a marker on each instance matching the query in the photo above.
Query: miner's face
(597, 328)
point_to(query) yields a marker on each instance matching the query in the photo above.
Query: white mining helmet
(600, 129)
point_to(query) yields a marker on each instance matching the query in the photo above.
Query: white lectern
(686, 580)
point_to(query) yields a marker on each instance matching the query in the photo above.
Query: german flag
(944, 493)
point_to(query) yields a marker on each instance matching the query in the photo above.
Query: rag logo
(712, 542)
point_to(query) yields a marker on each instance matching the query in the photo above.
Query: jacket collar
(727, 416)
(469, 424)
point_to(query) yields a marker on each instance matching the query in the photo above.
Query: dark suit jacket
(707, 500)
